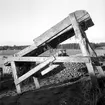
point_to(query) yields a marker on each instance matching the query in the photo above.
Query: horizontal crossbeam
(42, 59)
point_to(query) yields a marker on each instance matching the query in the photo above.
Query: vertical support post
(85, 51)
(83, 46)
(14, 72)
(78, 35)
(36, 82)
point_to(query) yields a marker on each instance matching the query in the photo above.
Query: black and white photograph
(52, 52)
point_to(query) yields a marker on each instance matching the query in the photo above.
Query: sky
(23, 20)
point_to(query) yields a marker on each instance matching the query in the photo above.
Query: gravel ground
(74, 94)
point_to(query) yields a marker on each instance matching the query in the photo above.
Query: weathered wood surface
(85, 51)
(59, 29)
(78, 33)
(34, 70)
(80, 15)
(50, 68)
(80, 59)
(15, 76)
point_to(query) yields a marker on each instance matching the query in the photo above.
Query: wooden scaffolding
(75, 24)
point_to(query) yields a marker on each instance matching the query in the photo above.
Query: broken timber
(75, 24)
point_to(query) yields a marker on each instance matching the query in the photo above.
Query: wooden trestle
(75, 24)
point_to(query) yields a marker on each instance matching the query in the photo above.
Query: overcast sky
(23, 20)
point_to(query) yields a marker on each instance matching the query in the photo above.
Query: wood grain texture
(80, 59)
(84, 48)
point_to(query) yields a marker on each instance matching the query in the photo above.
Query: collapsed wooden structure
(75, 24)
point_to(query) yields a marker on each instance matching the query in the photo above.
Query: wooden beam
(78, 34)
(34, 70)
(15, 77)
(26, 50)
(36, 82)
(72, 59)
(50, 68)
(83, 46)
(60, 28)
(26, 59)
(80, 59)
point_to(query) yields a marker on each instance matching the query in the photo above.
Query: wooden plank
(50, 68)
(80, 59)
(72, 59)
(15, 77)
(78, 34)
(83, 45)
(59, 28)
(54, 31)
(26, 50)
(36, 82)
(34, 70)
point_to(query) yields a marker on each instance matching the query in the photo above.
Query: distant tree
(15, 47)
(68, 46)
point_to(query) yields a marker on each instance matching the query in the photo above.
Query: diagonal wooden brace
(34, 70)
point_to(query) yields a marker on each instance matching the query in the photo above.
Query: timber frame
(75, 24)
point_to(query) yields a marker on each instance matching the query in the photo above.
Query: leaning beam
(56, 31)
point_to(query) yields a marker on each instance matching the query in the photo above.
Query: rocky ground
(70, 86)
